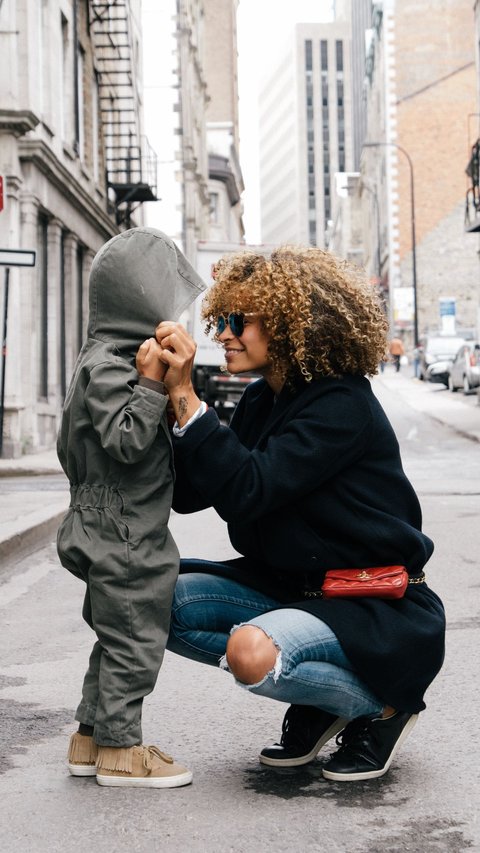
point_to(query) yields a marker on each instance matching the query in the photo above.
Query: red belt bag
(380, 582)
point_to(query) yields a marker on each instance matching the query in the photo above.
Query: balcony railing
(472, 199)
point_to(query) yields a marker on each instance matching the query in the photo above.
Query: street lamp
(412, 218)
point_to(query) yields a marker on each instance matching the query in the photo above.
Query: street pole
(412, 219)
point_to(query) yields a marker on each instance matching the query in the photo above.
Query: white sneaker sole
(374, 774)
(82, 769)
(337, 726)
(145, 781)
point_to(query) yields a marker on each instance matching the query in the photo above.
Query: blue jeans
(311, 667)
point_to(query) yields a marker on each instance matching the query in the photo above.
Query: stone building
(75, 169)
(208, 122)
(191, 106)
(225, 182)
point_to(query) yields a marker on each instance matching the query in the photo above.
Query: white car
(465, 368)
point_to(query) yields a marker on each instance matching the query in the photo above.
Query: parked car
(465, 368)
(437, 348)
(439, 372)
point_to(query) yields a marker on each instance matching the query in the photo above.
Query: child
(115, 448)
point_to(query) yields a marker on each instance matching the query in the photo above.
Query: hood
(137, 279)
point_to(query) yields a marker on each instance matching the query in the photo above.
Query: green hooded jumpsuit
(115, 448)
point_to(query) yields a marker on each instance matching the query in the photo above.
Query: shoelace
(152, 752)
(287, 726)
(352, 733)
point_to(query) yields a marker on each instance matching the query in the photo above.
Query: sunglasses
(236, 321)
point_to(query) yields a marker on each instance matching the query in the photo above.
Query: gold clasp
(363, 576)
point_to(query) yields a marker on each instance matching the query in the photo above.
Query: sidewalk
(29, 516)
(456, 411)
(29, 511)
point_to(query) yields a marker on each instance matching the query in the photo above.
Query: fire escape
(130, 162)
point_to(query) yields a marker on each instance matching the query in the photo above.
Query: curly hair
(321, 315)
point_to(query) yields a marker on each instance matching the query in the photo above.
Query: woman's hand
(148, 360)
(178, 352)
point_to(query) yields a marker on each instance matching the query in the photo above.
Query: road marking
(20, 584)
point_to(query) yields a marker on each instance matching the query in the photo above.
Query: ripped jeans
(311, 667)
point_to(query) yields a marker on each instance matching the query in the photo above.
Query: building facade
(472, 199)
(74, 169)
(306, 133)
(415, 159)
(361, 17)
(191, 106)
(225, 181)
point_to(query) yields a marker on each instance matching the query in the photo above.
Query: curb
(27, 540)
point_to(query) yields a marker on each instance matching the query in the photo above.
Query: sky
(263, 27)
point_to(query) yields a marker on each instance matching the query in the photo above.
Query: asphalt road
(428, 802)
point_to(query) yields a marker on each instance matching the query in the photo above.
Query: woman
(309, 478)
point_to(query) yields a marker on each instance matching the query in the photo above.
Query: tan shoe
(82, 755)
(139, 767)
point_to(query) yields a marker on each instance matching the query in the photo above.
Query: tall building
(208, 122)
(417, 127)
(472, 203)
(74, 168)
(225, 182)
(192, 104)
(306, 135)
(361, 16)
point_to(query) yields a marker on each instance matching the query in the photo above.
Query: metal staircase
(131, 163)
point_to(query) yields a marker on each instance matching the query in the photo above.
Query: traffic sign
(17, 257)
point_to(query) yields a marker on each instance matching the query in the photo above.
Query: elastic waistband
(95, 496)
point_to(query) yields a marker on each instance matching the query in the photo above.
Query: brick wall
(436, 89)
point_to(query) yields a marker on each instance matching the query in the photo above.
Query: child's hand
(148, 361)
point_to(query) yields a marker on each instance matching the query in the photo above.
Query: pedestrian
(114, 446)
(416, 354)
(309, 478)
(396, 350)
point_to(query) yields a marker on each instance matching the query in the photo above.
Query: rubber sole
(145, 781)
(333, 730)
(82, 769)
(374, 774)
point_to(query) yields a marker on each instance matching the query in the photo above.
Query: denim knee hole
(273, 673)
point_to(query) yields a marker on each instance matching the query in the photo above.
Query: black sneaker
(305, 730)
(367, 747)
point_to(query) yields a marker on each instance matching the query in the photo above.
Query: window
(308, 56)
(79, 311)
(64, 78)
(62, 329)
(324, 55)
(214, 207)
(80, 104)
(43, 312)
(339, 55)
(95, 130)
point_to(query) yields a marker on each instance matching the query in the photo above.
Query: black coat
(314, 481)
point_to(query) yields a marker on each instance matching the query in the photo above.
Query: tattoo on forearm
(182, 406)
